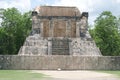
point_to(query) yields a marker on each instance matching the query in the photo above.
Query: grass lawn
(116, 73)
(20, 75)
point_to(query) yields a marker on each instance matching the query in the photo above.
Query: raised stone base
(36, 45)
(59, 62)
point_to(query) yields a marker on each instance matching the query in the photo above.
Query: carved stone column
(77, 29)
(70, 48)
(35, 26)
(68, 28)
(49, 46)
(34, 19)
(51, 28)
(83, 26)
(41, 29)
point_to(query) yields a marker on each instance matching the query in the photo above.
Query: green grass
(116, 73)
(20, 75)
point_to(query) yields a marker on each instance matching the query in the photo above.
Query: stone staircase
(60, 46)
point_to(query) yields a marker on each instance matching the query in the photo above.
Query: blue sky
(94, 7)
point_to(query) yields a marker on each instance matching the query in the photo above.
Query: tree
(7, 43)
(13, 31)
(106, 34)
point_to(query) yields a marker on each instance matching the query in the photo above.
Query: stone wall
(63, 62)
(34, 45)
(84, 47)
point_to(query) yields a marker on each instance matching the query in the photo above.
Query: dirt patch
(77, 75)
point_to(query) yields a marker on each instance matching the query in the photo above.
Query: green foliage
(14, 29)
(106, 34)
(6, 41)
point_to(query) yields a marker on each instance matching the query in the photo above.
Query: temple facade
(58, 30)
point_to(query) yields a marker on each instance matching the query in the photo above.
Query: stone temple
(59, 30)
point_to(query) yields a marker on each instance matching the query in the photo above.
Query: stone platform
(36, 45)
(17, 62)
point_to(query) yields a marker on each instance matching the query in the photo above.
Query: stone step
(55, 50)
(61, 49)
(60, 43)
(60, 46)
(60, 53)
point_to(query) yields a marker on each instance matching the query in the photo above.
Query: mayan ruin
(59, 40)
(59, 30)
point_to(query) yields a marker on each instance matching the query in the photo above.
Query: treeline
(106, 33)
(14, 28)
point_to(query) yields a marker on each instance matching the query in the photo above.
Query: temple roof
(57, 11)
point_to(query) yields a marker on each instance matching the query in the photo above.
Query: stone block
(91, 63)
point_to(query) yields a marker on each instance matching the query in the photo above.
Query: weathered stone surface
(34, 45)
(60, 46)
(84, 47)
(55, 33)
(63, 62)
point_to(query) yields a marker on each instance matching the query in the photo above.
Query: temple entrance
(59, 28)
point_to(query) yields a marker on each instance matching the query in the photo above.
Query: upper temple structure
(59, 30)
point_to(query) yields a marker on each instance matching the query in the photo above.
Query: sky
(93, 7)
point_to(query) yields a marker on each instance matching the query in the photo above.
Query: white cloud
(118, 1)
(22, 5)
(94, 7)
